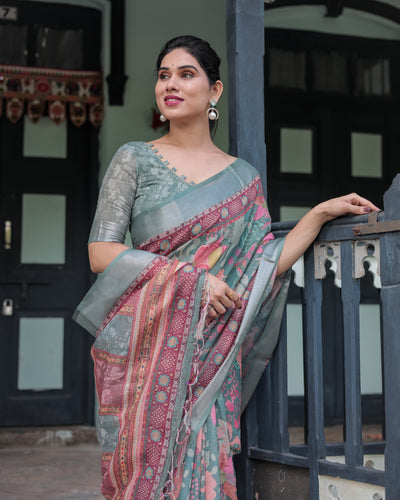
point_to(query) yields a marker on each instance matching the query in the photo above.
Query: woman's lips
(172, 100)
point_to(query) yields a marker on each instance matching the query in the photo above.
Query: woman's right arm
(101, 253)
(114, 208)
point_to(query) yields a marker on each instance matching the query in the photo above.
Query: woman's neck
(189, 137)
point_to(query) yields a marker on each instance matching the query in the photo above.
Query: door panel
(44, 273)
(48, 185)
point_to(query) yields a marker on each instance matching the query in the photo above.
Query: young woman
(187, 318)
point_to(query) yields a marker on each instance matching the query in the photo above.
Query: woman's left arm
(304, 233)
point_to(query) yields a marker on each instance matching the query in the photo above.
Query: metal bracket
(367, 251)
(327, 251)
(373, 226)
(298, 270)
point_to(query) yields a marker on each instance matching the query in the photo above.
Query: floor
(58, 472)
(60, 464)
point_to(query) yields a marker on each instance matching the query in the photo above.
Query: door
(331, 113)
(48, 177)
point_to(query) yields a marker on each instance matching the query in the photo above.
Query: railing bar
(351, 330)
(352, 472)
(282, 458)
(313, 371)
(334, 449)
(280, 405)
(334, 469)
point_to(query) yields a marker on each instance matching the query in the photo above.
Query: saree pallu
(170, 387)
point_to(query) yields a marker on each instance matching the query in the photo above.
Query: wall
(149, 24)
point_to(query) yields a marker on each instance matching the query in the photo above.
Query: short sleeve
(116, 197)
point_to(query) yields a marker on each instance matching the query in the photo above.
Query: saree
(171, 387)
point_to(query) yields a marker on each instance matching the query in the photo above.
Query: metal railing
(347, 243)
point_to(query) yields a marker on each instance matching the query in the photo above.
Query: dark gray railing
(347, 243)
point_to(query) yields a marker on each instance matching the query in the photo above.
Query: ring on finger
(229, 294)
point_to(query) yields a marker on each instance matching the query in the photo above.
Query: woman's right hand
(101, 253)
(221, 298)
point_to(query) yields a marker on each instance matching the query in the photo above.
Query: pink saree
(170, 388)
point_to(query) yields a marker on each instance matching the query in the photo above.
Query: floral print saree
(171, 388)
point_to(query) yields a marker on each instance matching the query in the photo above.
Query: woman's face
(183, 91)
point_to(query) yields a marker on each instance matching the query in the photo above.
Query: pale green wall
(149, 24)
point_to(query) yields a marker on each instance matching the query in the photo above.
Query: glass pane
(329, 71)
(366, 155)
(372, 77)
(41, 354)
(292, 213)
(13, 44)
(287, 69)
(370, 349)
(43, 229)
(295, 350)
(59, 48)
(45, 139)
(296, 151)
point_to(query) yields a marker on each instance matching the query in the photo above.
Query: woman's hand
(101, 253)
(221, 298)
(306, 230)
(344, 205)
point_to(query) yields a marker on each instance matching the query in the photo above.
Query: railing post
(313, 371)
(351, 330)
(280, 405)
(390, 297)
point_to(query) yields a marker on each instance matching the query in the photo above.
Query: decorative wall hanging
(82, 90)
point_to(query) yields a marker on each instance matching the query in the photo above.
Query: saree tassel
(204, 310)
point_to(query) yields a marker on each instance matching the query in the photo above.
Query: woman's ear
(217, 89)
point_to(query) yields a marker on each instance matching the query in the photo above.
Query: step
(47, 436)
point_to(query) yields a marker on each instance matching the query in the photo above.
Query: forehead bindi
(179, 58)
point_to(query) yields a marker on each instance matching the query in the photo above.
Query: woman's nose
(172, 82)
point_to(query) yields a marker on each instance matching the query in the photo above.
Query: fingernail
(367, 209)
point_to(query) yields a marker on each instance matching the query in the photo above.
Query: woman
(186, 319)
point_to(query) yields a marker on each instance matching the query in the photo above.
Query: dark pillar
(245, 47)
(390, 297)
(245, 52)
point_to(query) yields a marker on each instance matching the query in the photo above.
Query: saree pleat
(170, 387)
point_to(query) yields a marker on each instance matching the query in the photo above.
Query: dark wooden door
(331, 128)
(48, 175)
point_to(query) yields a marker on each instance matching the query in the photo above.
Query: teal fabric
(138, 181)
(164, 214)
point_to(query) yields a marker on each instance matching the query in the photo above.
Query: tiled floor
(50, 473)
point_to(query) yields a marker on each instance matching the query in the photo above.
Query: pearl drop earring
(212, 111)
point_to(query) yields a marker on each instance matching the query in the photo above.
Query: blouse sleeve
(116, 197)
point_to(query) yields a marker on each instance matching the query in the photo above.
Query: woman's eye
(187, 74)
(163, 76)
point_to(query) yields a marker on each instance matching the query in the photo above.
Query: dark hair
(199, 49)
(202, 52)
